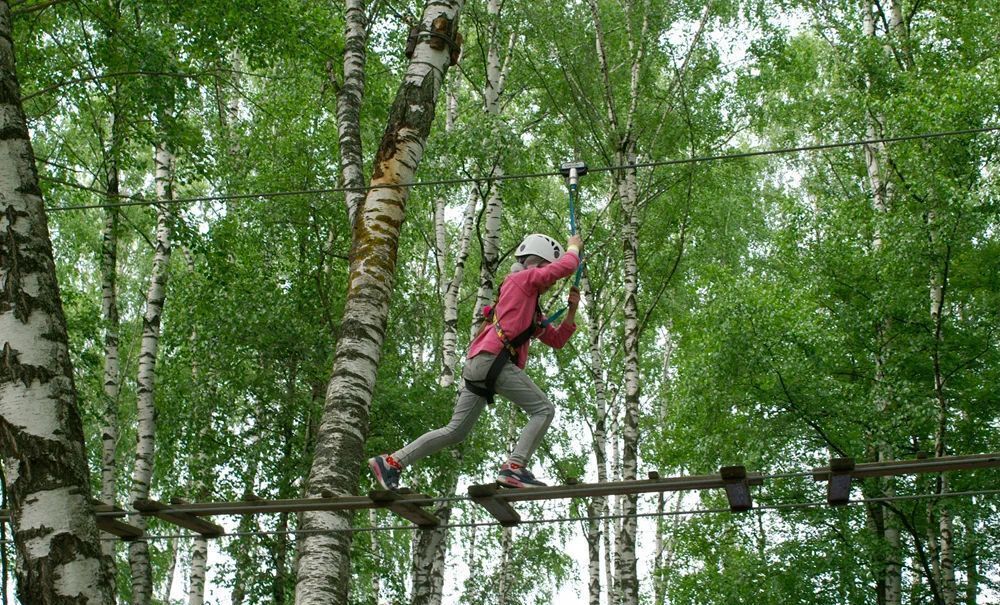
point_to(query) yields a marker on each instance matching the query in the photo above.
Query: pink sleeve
(557, 337)
(543, 277)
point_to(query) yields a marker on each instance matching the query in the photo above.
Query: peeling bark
(450, 339)
(349, 97)
(598, 532)
(324, 568)
(41, 434)
(111, 327)
(429, 551)
(630, 430)
(142, 474)
(495, 82)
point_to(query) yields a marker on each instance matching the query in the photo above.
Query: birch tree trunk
(622, 129)
(324, 566)
(449, 342)
(430, 549)
(938, 287)
(971, 558)
(597, 531)
(496, 77)
(349, 97)
(630, 431)
(112, 327)
(198, 568)
(41, 435)
(881, 192)
(198, 464)
(142, 474)
(659, 547)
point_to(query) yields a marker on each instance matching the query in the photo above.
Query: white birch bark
(504, 572)
(198, 563)
(430, 548)
(197, 571)
(376, 556)
(142, 474)
(593, 537)
(41, 434)
(630, 430)
(324, 565)
(111, 328)
(440, 246)
(450, 339)
(349, 97)
(945, 548)
(659, 547)
(622, 131)
(597, 531)
(496, 75)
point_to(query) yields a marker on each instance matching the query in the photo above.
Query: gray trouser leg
(467, 410)
(514, 385)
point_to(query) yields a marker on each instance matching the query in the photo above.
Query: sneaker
(515, 475)
(386, 471)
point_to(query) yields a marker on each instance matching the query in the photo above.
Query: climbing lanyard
(507, 354)
(572, 171)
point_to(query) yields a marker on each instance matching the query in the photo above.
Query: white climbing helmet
(540, 245)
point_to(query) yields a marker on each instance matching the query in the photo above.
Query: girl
(496, 362)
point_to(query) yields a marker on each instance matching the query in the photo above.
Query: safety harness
(507, 354)
(572, 171)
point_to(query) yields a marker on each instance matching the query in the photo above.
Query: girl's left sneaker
(386, 471)
(514, 475)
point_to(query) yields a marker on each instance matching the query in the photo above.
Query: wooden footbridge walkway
(735, 480)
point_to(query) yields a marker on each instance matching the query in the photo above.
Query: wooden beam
(402, 505)
(259, 507)
(838, 488)
(639, 486)
(737, 488)
(182, 519)
(485, 496)
(912, 467)
(105, 515)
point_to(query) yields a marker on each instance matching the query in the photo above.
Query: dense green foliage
(785, 318)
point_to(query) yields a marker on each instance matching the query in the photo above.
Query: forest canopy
(274, 225)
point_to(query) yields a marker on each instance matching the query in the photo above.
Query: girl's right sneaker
(386, 471)
(514, 475)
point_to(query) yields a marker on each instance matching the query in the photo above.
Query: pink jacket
(516, 308)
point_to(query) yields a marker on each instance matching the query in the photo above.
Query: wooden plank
(259, 507)
(589, 490)
(181, 519)
(123, 530)
(838, 488)
(485, 496)
(402, 505)
(107, 522)
(911, 467)
(737, 488)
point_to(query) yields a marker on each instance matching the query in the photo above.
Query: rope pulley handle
(573, 171)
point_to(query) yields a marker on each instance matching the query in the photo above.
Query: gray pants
(514, 385)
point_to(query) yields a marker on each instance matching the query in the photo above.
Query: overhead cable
(130, 200)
